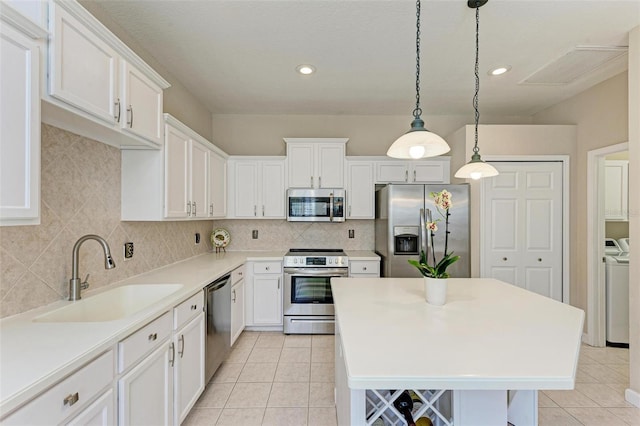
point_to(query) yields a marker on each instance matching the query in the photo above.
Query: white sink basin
(111, 305)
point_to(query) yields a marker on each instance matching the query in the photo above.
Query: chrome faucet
(75, 283)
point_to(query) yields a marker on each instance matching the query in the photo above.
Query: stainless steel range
(308, 303)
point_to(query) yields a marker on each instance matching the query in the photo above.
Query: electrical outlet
(197, 238)
(254, 234)
(352, 233)
(128, 250)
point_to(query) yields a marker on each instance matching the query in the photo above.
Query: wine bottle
(404, 404)
(424, 421)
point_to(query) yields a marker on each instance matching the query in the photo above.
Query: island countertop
(489, 335)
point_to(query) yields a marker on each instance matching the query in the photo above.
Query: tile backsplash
(81, 195)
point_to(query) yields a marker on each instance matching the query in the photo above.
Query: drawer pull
(172, 357)
(71, 399)
(194, 307)
(364, 268)
(266, 268)
(153, 337)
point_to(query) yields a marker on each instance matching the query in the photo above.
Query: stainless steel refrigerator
(400, 232)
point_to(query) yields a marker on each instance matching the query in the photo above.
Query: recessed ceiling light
(306, 69)
(500, 70)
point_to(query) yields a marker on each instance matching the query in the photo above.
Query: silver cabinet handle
(234, 296)
(312, 181)
(153, 337)
(240, 273)
(117, 104)
(266, 268)
(130, 115)
(319, 181)
(194, 307)
(414, 175)
(71, 399)
(263, 210)
(539, 259)
(364, 268)
(504, 258)
(278, 283)
(255, 210)
(211, 209)
(188, 208)
(181, 340)
(172, 356)
(195, 209)
(406, 175)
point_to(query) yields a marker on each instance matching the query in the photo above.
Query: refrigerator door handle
(423, 232)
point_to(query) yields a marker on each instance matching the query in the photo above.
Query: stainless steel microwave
(315, 205)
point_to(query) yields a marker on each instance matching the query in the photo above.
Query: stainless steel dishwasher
(218, 345)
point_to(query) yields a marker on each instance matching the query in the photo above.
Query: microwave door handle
(331, 207)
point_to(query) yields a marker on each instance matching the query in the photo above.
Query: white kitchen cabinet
(73, 397)
(264, 294)
(257, 187)
(316, 162)
(217, 185)
(616, 193)
(145, 393)
(413, 171)
(360, 190)
(237, 303)
(175, 182)
(189, 365)
(20, 43)
(364, 268)
(100, 413)
(93, 75)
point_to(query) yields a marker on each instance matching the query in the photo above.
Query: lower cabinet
(364, 268)
(189, 366)
(100, 413)
(145, 394)
(237, 303)
(264, 294)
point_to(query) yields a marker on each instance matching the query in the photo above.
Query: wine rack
(435, 404)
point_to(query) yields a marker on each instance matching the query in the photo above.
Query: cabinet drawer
(237, 275)
(364, 267)
(188, 309)
(267, 268)
(77, 389)
(131, 349)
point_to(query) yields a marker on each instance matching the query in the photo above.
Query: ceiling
(239, 56)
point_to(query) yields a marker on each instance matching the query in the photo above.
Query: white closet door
(522, 226)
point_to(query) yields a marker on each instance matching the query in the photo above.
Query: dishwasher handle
(219, 283)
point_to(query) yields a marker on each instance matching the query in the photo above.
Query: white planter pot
(435, 290)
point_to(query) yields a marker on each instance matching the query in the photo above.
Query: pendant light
(418, 142)
(476, 168)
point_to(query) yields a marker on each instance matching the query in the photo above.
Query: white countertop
(35, 355)
(488, 335)
(361, 255)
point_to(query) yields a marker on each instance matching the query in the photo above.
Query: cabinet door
(392, 171)
(176, 173)
(100, 413)
(199, 166)
(217, 185)
(246, 189)
(267, 299)
(237, 310)
(616, 192)
(360, 190)
(273, 190)
(330, 166)
(83, 68)
(301, 166)
(142, 105)
(145, 394)
(20, 128)
(189, 370)
(427, 172)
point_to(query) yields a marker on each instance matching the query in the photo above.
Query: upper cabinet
(186, 179)
(20, 44)
(360, 189)
(92, 74)
(434, 170)
(257, 187)
(316, 162)
(616, 193)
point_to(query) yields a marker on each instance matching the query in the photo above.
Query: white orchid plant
(437, 269)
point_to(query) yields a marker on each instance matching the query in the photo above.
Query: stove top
(316, 258)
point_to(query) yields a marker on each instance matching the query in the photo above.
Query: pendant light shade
(476, 168)
(418, 142)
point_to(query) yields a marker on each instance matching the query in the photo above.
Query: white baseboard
(632, 397)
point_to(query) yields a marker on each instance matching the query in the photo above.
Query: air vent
(575, 64)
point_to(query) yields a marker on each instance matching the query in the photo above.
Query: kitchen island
(477, 360)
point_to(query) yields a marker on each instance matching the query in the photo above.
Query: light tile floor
(273, 379)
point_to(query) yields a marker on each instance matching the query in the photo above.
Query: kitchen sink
(111, 305)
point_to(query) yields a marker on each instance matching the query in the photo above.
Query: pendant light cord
(475, 96)
(417, 112)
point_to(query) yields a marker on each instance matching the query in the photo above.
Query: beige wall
(368, 135)
(178, 101)
(81, 195)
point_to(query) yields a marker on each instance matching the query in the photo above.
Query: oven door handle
(315, 321)
(318, 272)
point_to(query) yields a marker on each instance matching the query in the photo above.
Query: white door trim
(595, 334)
(566, 283)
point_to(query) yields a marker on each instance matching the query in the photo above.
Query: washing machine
(617, 294)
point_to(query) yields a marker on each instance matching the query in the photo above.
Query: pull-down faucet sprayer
(75, 283)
